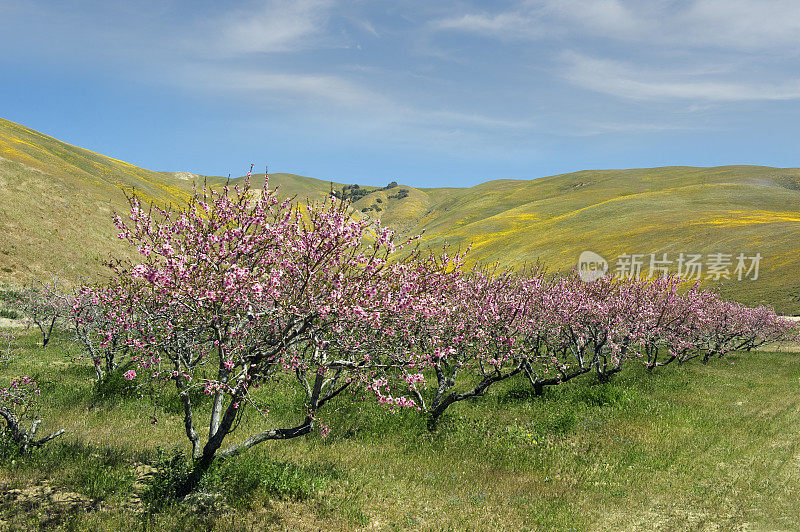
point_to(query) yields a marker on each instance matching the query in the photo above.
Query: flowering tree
(239, 290)
(553, 351)
(598, 323)
(762, 326)
(694, 323)
(102, 329)
(461, 329)
(18, 407)
(579, 327)
(468, 330)
(731, 326)
(42, 306)
(576, 326)
(668, 320)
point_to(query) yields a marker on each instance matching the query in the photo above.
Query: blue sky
(427, 93)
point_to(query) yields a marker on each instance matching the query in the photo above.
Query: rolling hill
(56, 203)
(54, 195)
(729, 210)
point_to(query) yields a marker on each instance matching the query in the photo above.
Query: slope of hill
(295, 186)
(57, 199)
(730, 210)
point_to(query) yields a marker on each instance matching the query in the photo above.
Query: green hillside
(56, 204)
(730, 210)
(55, 195)
(296, 186)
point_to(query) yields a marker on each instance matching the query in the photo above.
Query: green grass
(690, 446)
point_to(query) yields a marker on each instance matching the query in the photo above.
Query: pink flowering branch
(102, 328)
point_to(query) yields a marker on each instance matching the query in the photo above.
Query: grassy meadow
(696, 446)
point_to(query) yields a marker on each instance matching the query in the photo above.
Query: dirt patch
(53, 505)
(144, 473)
(186, 176)
(781, 347)
(7, 323)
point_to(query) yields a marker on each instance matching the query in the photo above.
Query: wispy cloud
(600, 17)
(533, 20)
(474, 119)
(413, 74)
(322, 89)
(605, 128)
(626, 81)
(267, 26)
(367, 26)
(508, 25)
(741, 24)
(336, 94)
(747, 25)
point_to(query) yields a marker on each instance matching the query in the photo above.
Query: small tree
(43, 306)
(101, 329)
(761, 326)
(462, 327)
(667, 321)
(18, 407)
(730, 326)
(553, 351)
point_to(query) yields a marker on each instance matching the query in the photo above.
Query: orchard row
(239, 291)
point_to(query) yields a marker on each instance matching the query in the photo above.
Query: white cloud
(504, 25)
(320, 88)
(625, 81)
(742, 24)
(550, 18)
(474, 119)
(270, 26)
(602, 128)
(367, 26)
(745, 25)
(604, 17)
(335, 93)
